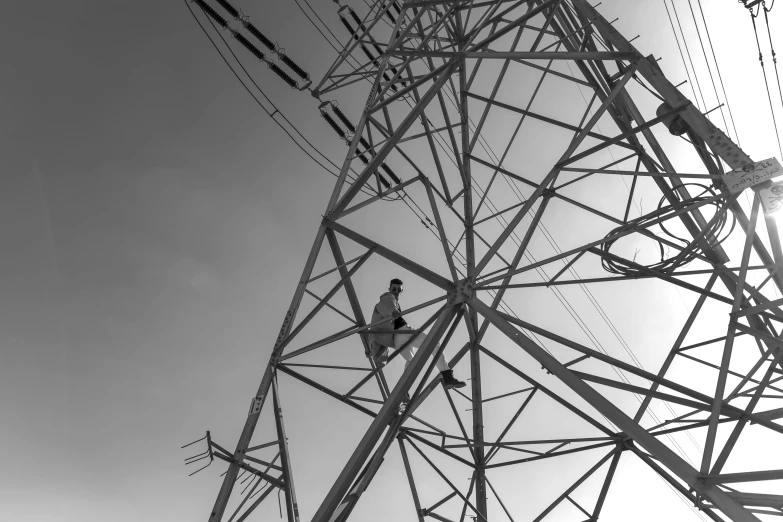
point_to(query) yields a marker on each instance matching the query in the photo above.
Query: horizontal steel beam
(522, 55)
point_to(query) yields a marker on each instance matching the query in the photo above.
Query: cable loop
(691, 249)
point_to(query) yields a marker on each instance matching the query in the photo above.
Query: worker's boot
(379, 354)
(449, 381)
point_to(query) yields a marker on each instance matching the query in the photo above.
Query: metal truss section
(615, 308)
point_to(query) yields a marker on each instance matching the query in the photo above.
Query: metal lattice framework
(529, 132)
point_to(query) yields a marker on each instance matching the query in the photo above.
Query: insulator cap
(212, 13)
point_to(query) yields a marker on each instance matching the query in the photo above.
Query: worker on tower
(388, 309)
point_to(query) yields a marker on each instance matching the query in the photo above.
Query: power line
(766, 82)
(682, 56)
(709, 69)
(269, 113)
(717, 68)
(688, 53)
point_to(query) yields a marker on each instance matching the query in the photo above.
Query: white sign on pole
(772, 197)
(749, 175)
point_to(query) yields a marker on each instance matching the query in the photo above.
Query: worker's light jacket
(383, 310)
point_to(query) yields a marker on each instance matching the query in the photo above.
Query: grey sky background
(155, 223)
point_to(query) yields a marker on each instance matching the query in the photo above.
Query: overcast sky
(155, 223)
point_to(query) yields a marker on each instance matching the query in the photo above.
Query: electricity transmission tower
(555, 169)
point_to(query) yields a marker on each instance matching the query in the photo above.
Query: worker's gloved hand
(396, 314)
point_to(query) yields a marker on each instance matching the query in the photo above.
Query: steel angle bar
(615, 438)
(403, 262)
(552, 175)
(739, 427)
(343, 280)
(649, 442)
(393, 355)
(351, 46)
(497, 444)
(324, 302)
(461, 425)
(441, 231)
(681, 209)
(327, 272)
(277, 482)
(440, 449)
(749, 476)
(385, 193)
(411, 481)
(384, 102)
(498, 81)
(255, 504)
(540, 117)
(389, 145)
(605, 488)
(334, 502)
(577, 483)
(759, 308)
(679, 388)
(674, 483)
(641, 173)
(509, 27)
(292, 506)
(444, 478)
(550, 393)
(552, 454)
(328, 391)
(617, 139)
(728, 345)
(745, 377)
(266, 381)
(667, 397)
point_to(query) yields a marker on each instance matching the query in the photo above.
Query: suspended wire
(766, 82)
(688, 53)
(269, 113)
(717, 68)
(772, 48)
(709, 69)
(316, 25)
(682, 56)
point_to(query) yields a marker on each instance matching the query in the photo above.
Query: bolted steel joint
(462, 292)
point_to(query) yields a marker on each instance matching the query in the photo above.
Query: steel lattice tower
(511, 123)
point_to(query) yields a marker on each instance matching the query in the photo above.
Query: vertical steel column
(285, 458)
(470, 254)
